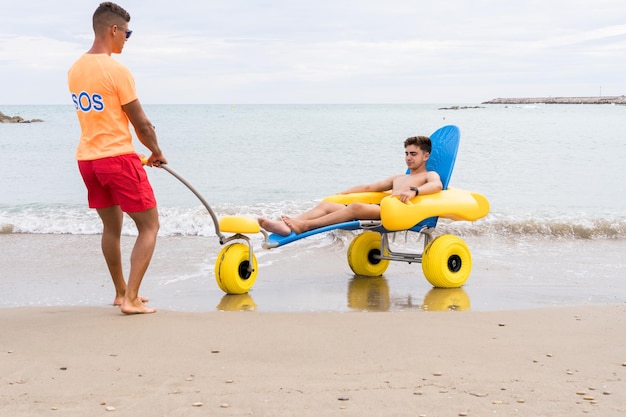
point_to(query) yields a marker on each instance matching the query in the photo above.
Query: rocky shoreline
(16, 119)
(621, 100)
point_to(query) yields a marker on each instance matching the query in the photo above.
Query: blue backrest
(445, 143)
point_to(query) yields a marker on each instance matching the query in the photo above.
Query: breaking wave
(195, 221)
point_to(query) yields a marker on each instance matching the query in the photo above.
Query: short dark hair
(422, 142)
(108, 13)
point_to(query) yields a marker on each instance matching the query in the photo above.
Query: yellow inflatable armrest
(239, 224)
(453, 204)
(365, 198)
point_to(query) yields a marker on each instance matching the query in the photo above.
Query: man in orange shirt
(103, 92)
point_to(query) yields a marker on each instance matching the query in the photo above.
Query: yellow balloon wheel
(362, 254)
(231, 269)
(447, 262)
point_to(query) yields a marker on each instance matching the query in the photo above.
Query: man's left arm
(145, 131)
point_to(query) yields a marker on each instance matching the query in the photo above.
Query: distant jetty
(560, 100)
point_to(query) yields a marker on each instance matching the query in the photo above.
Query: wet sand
(313, 275)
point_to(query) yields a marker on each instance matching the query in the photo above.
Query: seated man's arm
(433, 184)
(383, 185)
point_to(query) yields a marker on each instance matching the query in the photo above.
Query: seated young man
(404, 186)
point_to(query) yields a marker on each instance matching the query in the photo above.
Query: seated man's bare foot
(274, 226)
(118, 300)
(135, 307)
(298, 226)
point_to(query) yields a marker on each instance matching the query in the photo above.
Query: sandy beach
(86, 361)
(528, 338)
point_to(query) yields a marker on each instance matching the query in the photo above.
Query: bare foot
(136, 307)
(118, 300)
(274, 226)
(298, 226)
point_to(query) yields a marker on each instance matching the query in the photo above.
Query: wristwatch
(417, 191)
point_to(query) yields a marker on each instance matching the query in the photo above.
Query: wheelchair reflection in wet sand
(372, 294)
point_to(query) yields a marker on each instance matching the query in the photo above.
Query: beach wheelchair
(446, 260)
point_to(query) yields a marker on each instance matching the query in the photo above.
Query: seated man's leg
(322, 209)
(346, 213)
(274, 226)
(280, 227)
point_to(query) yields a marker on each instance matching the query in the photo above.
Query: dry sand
(89, 361)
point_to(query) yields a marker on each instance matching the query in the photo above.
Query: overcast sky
(326, 51)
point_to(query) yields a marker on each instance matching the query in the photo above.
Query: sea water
(552, 173)
(546, 169)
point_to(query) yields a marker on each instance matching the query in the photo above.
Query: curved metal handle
(202, 200)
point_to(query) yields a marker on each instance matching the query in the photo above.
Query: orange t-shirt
(100, 86)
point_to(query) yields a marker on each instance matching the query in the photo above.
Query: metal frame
(401, 256)
(223, 239)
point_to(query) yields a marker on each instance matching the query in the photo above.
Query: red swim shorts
(117, 181)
